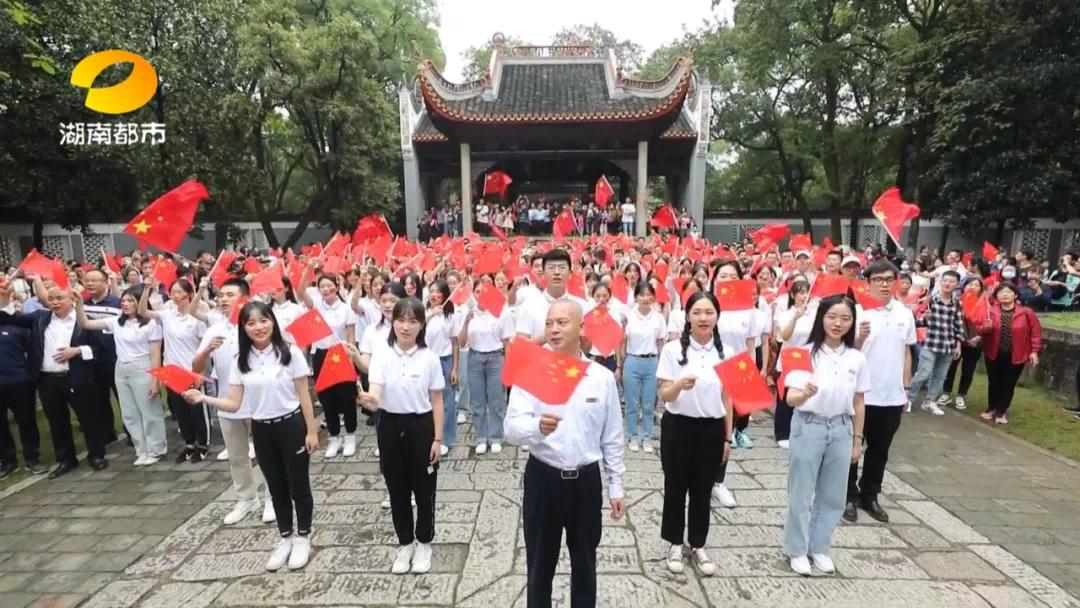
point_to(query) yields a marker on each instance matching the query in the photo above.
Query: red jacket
(1026, 333)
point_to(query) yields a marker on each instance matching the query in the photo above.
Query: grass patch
(1066, 320)
(1036, 415)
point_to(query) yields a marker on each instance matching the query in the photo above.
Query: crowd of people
(423, 361)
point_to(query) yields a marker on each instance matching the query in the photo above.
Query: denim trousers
(931, 373)
(819, 460)
(463, 372)
(488, 395)
(449, 400)
(142, 415)
(639, 387)
(628, 227)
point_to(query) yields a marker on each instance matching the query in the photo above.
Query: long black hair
(281, 347)
(798, 285)
(134, 292)
(290, 295)
(406, 308)
(684, 339)
(817, 332)
(441, 287)
(333, 278)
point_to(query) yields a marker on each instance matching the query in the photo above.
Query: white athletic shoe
(930, 406)
(783, 443)
(481, 448)
(443, 450)
(140, 461)
(524, 448)
(646, 446)
(376, 451)
(634, 447)
(823, 562)
(723, 496)
(223, 455)
(496, 447)
(800, 565)
(240, 511)
(421, 561)
(944, 400)
(674, 559)
(301, 550)
(403, 560)
(251, 451)
(333, 446)
(269, 516)
(280, 555)
(702, 561)
(960, 403)
(386, 502)
(349, 447)
(461, 418)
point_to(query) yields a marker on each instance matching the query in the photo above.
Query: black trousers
(404, 457)
(58, 397)
(968, 361)
(1002, 375)
(879, 428)
(782, 418)
(691, 451)
(551, 504)
(104, 389)
(283, 460)
(19, 400)
(193, 420)
(337, 401)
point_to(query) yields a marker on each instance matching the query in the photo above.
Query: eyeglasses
(882, 280)
(557, 267)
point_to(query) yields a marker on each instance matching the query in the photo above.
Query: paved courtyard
(978, 519)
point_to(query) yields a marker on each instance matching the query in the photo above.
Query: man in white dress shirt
(533, 311)
(562, 477)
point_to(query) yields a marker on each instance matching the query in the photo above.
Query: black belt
(278, 419)
(55, 374)
(652, 356)
(383, 412)
(568, 474)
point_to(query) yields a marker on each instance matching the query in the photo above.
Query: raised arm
(149, 284)
(84, 321)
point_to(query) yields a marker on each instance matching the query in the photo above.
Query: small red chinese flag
(498, 232)
(370, 228)
(489, 298)
(861, 289)
(767, 237)
(893, 212)
(496, 182)
(603, 331)
(661, 270)
(735, 295)
(268, 279)
(663, 296)
(252, 265)
(664, 217)
(219, 272)
(989, 252)
(975, 307)
(59, 275)
(295, 272)
(826, 285)
(744, 384)
(490, 261)
(792, 360)
(176, 378)
(620, 290)
(564, 224)
(800, 242)
(545, 374)
(336, 369)
(237, 306)
(166, 221)
(333, 265)
(603, 192)
(575, 285)
(111, 262)
(165, 272)
(309, 328)
(380, 249)
(461, 294)
(36, 263)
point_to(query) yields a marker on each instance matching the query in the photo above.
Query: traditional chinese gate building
(555, 119)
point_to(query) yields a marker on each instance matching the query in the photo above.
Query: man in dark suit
(102, 304)
(60, 362)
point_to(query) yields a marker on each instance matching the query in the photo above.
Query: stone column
(414, 196)
(641, 215)
(466, 189)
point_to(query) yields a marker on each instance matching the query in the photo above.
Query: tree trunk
(39, 232)
(854, 230)
(944, 240)
(999, 233)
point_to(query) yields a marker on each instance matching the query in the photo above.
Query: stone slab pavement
(978, 520)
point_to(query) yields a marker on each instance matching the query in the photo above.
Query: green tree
(628, 53)
(478, 58)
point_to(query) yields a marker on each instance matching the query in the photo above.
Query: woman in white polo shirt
(826, 434)
(645, 332)
(695, 432)
(270, 379)
(407, 389)
(441, 333)
(793, 327)
(338, 400)
(486, 337)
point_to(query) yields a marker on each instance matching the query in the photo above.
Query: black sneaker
(851, 514)
(36, 468)
(7, 469)
(184, 455)
(196, 456)
(1074, 409)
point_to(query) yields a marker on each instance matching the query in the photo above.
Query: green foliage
(628, 54)
(478, 58)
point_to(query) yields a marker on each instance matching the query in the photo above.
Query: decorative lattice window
(744, 230)
(845, 234)
(53, 246)
(1071, 241)
(869, 236)
(7, 253)
(1037, 241)
(93, 243)
(257, 239)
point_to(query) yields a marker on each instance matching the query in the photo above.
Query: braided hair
(684, 339)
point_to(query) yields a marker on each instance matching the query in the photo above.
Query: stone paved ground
(977, 520)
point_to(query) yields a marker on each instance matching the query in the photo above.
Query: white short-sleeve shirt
(339, 316)
(486, 333)
(892, 331)
(181, 334)
(642, 332)
(801, 332)
(374, 338)
(839, 375)
(223, 359)
(736, 326)
(676, 321)
(133, 340)
(269, 388)
(532, 315)
(407, 378)
(704, 400)
(441, 332)
(286, 313)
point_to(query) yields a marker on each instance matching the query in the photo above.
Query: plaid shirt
(945, 325)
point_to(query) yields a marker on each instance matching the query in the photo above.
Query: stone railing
(1057, 362)
(552, 51)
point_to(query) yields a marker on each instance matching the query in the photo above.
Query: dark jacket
(103, 344)
(14, 344)
(80, 371)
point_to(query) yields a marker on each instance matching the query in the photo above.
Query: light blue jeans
(933, 367)
(819, 460)
(488, 396)
(449, 395)
(142, 415)
(463, 372)
(628, 227)
(639, 387)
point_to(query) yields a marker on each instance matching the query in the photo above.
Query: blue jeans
(639, 387)
(628, 227)
(488, 396)
(449, 395)
(819, 458)
(933, 367)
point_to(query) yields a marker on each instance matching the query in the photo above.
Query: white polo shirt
(182, 334)
(339, 316)
(642, 332)
(736, 327)
(892, 331)
(486, 333)
(286, 313)
(676, 321)
(801, 332)
(839, 375)
(407, 378)
(374, 338)
(704, 400)
(532, 314)
(269, 388)
(223, 358)
(133, 340)
(441, 332)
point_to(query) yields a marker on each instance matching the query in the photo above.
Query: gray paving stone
(876, 564)
(919, 537)
(945, 523)
(224, 566)
(1027, 577)
(831, 592)
(608, 560)
(121, 594)
(957, 565)
(427, 590)
(378, 558)
(1001, 596)
(313, 589)
(490, 555)
(183, 595)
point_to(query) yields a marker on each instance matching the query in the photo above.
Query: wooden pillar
(641, 214)
(466, 189)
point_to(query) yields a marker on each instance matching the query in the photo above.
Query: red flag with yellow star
(336, 369)
(744, 384)
(167, 220)
(735, 295)
(861, 289)
(893, 212)
(603, 331)
(176, 378)
(309, 328)
(545, 374)
(793, 360)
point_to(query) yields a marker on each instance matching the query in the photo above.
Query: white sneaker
(403, 560)
(251, 451)
(376, 451)
(139, 462)
(385, 502)
(461, 418)
(723, 496)
(269, 516)
(930, 406)
(800, 565)
(907, 408)
(944, 400)
(481, 448)
(238, 512)
(412, 500)
(646, 446)
(783, 443)
(421, 561)
(634, 447)
(823, 562)
(223, 455)
(349, 447)
(333, 446)
(280, 556)
(496, 448)
(702, 561)
(524, 448)
(443, 450)
(674, 559)
(301, 550)
(960, 403)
